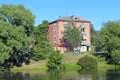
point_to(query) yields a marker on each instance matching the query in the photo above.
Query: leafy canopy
(42, 46)
(108, 40)
(15, 24)
(18, 16)
(109, 36)
(72, 35)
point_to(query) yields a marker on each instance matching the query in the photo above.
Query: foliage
(108, 39)
(100, 58)
(93, 37)
(55, 60)
(116, 57)
(88, 63)
(14, 39)
(72, 35)
(18, 16)
(3, 52)
(42, 46)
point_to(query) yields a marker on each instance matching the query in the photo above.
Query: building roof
(71, 18)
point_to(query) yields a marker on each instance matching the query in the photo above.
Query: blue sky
(96, 11)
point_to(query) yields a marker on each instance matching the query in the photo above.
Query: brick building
(57, 27)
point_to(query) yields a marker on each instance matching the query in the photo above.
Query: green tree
(72, 35)
(18, 16)
(54, 60)
(116, 57)
(93, 37)
(3, 52)
(42, 46)
(108, 39)
(14, 40)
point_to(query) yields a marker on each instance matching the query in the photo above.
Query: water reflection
(88, 75)
(113, 75)
(61, 75)
(54, 75)
(14, 76)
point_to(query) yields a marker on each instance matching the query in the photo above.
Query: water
(61, 75)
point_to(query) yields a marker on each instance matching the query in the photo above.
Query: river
(61, 75)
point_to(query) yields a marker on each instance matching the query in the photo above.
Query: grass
(34, 65)
(72, 66)
(104, 66)
(69, 60)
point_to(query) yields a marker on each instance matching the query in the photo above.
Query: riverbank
(69, 60)
(34, 65)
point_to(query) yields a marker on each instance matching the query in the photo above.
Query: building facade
(57, 27)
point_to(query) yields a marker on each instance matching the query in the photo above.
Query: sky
(95, 11)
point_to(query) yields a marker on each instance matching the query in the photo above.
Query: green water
(61, 75)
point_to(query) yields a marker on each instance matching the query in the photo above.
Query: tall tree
(72, 35)
(109, 39)
(93, 37)
(14, 40)
(18, 16)
(42, 46)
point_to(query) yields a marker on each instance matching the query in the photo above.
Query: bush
(115, 57)
(101, 58)
(55, 61)
(38, 56)
(88, 63)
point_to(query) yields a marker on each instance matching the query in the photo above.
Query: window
(84, 36)
(82, 29)
(54, 29)
(83, 42)
(55, 42)
(83, 25)
(65, 25)
(54, 35)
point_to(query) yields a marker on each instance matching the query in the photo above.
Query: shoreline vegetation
(69, 61)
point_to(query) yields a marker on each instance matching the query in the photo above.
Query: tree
(72, 35)
(18, 16)
(14, 39)
(108, 39)
(116, 57)
(93, 37)
(54, 60)
(42, 46)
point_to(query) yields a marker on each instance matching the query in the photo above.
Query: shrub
(88, 63)
(38, 56)
(100, 58)
(115, 57)
(55, 61)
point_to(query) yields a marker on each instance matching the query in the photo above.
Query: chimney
(72, 17)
